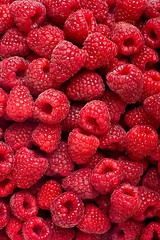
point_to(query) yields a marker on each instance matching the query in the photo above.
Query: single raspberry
(79, 182)
(129, 11)
(3, 101)
(20, 105)
(14, 228)
(104, 30)
(107, 175)
(152, 106)
(7, 186)
(6, 158)
(6, 18)
(51, 106)
(82, 145)
(151, 231)
(92, 218)
(155, 154)
(94, 160)
(140, 141)
(59, 162)
(145, 59)
(94, 117)
(99, 51)
(79, 25)
(4, 208)
(59, 233)
(66, 60)
(125, 202)
(126, 80)
(67, 210)
(151, 179)
(83, 236)
(43, 40)
(29, 168)
(13, 43)
(85, 86)
(152, 9)
(36, 228)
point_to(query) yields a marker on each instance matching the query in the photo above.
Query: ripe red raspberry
(36, 228)
(104, 30)
(151, 231)
(152, 9)
(3, 101)
(83, 236)
(67, 210)
(152, 106)
(6, 159)
(35, 188)
(85, 86)
(79, 182)
(125, 202)
(51, 106)
(23, 205)
(129, 11)
(13, 43)
(94, 117)
(47, 193)
(59, 162)
(6, 18)
(59, 233)
(14, 228)
(20, 105)
(126, 80)
(92, 218)
(103, 202)
(152, 179)
(66, 60)
(155, 154)
(94, 160)
(29, 168)
(43, 40)
(82, 145)
(7, 185)
(107, 175)
(4, 208)
(110, 20)
(99, 51)
(140, 141)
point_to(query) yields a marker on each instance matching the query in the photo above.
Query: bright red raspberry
(83, 236)
(152, 9)
(94, 117)
(92, 218)
(82, 145)
(126, 80)
(6, 158)
(3, 101)
(6, 18)
(152, 179)
(51, 106)
(4, 208)
(13, 43)
(14, 228)
(44, 39)
(152, 106)
(155, 154)
(20, 105)
(7, 185)
(79, 182)
(35, 188)
(66, 60)
(67, 210)
(29, 167)
(94, 160)
(110, 20)
(99, 51)
(140, 141)
(47, 193)
(129, 10)
(125, 202)
(151, 231)
(59, 233)
(107, 175)
(85, 86)
(104, 30)
(59, 162)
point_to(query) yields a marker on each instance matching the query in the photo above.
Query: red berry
(152, 106)
(104, 30)
(152, 9)
(4, 218)
(83, 236)
(6, 18)
(59, 233)
(151, 231)
(151, 179)
(3, 101)
(14, 229)
(6, 159)
(94, 160)
(7, 185)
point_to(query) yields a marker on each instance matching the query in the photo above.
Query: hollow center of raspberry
(149, 210)
(26, 205)
(107, 170)
(46, 69)
(20, 73)
(121, 233)
(69, 206)
(46, 108)
(35, 18)
(155, 235)
(128, 42)
(148, 66)
(4, 183)
(153, 34)
(38, 230)
(93, 121)
(128, 192)
(2, 158)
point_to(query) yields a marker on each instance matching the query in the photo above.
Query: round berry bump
(83, 236)
(3, 101)
(107, 175)
(4, 218)
(104, 30)
(82, 145)
(62, 233)
(7, 186)
(99, 51)
(126, 80)
(94, 117)
(67, 210)
(152, 106)
(28, 14)
(92, 218)
(79, 182)
(85, 86)
(6, 18)
(151, 231)
(20, 105)
(29, 167)
(36, 228)
(14, 228)
(6, 158)
(44, 39)
(152, 9)
(151, 179)
(94, 160)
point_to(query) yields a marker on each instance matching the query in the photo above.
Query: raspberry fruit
(94, 160)
(59, 233)
(151, 231)
(6, 159)
(155, 154)
(3, 101)
(4, 208)
(7, 185)
(83, 236)
(152, 9)
(151, 179)
(14, 228)
(104, 30)
(152, 106)
(6, 18)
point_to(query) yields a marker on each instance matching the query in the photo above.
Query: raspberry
(13, 43)
(4, 208)
(155, 154)
(94, 160)
(23, 205)
(152, 9)
(36, 228)
(85, 86)
(107, 175)
(7, 186)
(99, 51)
(151, 231)
(125, 202)
(6, 158)
(126, 80)
(110, 20)
(92, 218)
(59, 162)
(43, 40)
(14, 228)
(51, 106)
(6, 18)
(20, 105)
(35, 188)
(104, 30)
(82, 145)
(94, 117)
(62, 233)
(3, 101)
(66, 60)
(115, 105)
(79, 182)
(29, 168)
(152, 106)
(67, 210)
(129, 11)
(83, 236)
(152, 179)
(103, 202)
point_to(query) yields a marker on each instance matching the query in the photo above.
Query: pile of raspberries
(80, 119)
